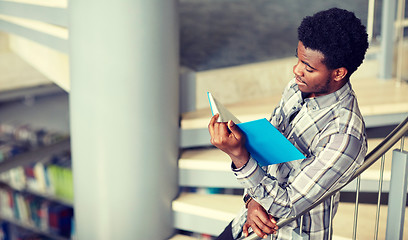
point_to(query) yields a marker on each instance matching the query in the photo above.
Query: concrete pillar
(387, 39)
(124, 114)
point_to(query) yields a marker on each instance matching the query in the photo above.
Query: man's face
(312, 75)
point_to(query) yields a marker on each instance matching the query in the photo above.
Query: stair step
(210, 167)
(213, 159)
(340, 238)
(182, 237)
(207, 167)
(19, 79)
(373, 95)
(244, 111)
(205, 213)
(221, 207)
(210, 213)
(210, 159)
(261, 79)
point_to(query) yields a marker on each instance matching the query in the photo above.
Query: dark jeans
(226, 234)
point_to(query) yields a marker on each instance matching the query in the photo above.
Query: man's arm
(337, 157)
(228, 138)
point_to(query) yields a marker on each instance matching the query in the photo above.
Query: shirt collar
(329, 99)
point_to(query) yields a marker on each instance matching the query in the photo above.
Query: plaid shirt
(329, 130)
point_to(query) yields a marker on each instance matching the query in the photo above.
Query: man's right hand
(259, 220)
(230, 139)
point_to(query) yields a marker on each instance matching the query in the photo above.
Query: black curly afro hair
(339, 35)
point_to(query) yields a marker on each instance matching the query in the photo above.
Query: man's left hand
(259, 220)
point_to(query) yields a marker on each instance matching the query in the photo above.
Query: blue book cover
(263, 141)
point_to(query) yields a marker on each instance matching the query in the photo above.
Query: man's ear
(339, 74)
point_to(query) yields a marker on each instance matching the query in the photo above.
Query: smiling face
(312, 75)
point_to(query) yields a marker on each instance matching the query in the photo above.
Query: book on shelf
(266, 144)
(50, 178)
(36, 213)
(35, 196)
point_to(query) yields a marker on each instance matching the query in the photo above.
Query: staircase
(202, 167)
(247, 90)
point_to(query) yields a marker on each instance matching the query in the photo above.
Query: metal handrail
(370, 159)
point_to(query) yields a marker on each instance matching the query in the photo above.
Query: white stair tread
(340, 238)
(18, 74)
(373, 96)
(221, 207)
(213, 159)
(225, 207)
(246, 111)
(45, 3)
(51, 29)
(205, 159)
(182, 237)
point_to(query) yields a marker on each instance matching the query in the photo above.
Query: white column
(387, 39)
(124, 117)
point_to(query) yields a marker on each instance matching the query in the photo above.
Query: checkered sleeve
(337, 157)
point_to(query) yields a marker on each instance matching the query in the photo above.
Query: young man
(319, 114)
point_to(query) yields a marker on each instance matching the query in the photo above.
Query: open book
(263, 141)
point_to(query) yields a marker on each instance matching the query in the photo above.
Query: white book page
(217, 107)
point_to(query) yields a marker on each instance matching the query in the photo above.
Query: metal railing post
(397, 195)
(380, 183)
(356, 207)
(331, 218)
(298, 234)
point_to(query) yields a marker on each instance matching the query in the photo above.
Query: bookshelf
(51, 197)
(31, 196)
(32, 228)
(35, 155)
(29, 100)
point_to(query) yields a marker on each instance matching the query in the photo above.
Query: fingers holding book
(227, 137)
